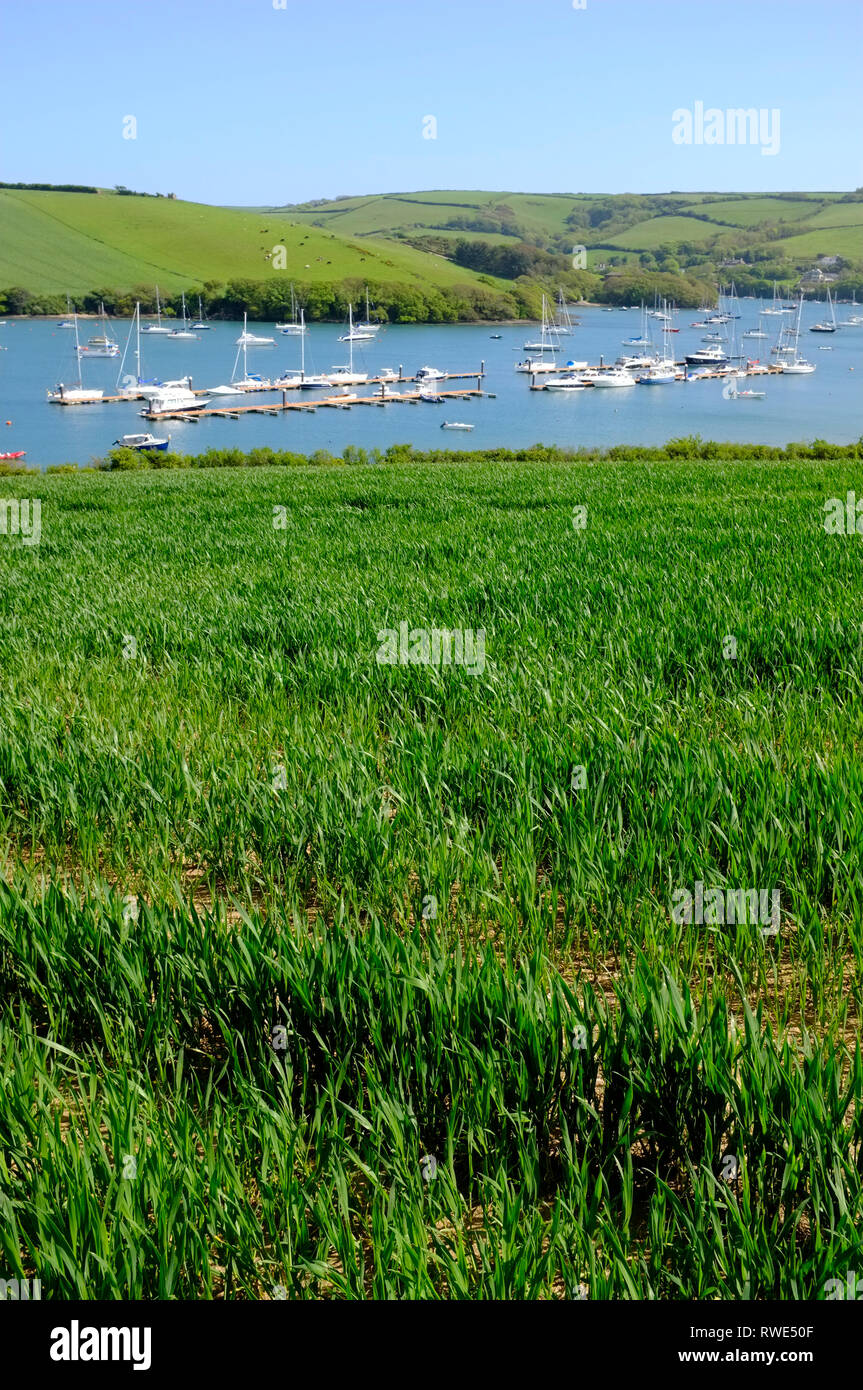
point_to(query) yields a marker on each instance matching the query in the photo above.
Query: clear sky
(240, 102)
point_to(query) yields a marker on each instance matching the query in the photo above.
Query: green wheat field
(327, 978)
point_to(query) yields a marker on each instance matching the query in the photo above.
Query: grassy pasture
(506, 1070)
(75, 241)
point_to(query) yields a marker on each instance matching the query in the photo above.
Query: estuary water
(35, 355)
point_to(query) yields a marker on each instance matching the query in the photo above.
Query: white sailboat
(789, 355)
(76, 395)
(67, 321)
(367, 326)
(200, 325)
(563, 324)
(826, 326)
(757, 332)
(101, 345)
(346, 376)
(355, 333)
(247, 339)
(292, 329)
(158, 326)
(664, 369)
(183, 332)
(547, 342)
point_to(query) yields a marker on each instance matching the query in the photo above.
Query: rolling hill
(428, 256)
(694, 229)
(73, 242)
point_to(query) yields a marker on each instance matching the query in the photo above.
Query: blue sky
(239, 102)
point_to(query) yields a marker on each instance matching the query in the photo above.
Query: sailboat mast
(77, 352)
(303, 345)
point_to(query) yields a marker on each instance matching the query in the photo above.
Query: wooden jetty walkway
(345, 402)
(294, 384)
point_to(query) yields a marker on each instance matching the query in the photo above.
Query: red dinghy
(22, 453)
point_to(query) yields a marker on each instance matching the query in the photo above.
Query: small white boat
(293, 329)
(158, 326)
(564, 383)
(101, 345)
(367, 327)
(157, 388)
(67, 322)
(200, 324)
(614, 377)
(345, 376)
(799, 367)
(247, 339)
(75, 395)
(657, 376)
(144, 442)
(826, 325)
(643, 359)
(355, 334)
(748, 395)
(455, 425)
(387, 374)
(532, 365)
(173, 399)
(183, 332)
(548, 333)
(430, 374)
(239, 385)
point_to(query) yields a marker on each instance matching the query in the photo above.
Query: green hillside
(75, 241)
(693, 233)
(435, 256)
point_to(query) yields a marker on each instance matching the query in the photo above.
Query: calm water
(37, 355)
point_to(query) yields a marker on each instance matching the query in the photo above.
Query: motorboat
(713, 356)
(614, 377)
(174, 399)
(534, 365)
(143, 442)
(657, 376)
